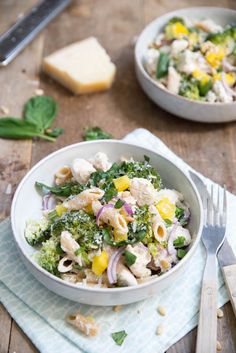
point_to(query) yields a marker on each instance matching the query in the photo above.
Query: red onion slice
(229, 90)
(109, 205)
(48, 202)
(113, 261)
(128, 209)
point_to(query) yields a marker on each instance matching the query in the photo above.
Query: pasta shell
(84, 199)
(65, 265)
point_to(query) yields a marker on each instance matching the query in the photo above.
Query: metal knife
(23, 31)
(226, 257)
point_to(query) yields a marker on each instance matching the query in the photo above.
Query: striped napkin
(40, 313)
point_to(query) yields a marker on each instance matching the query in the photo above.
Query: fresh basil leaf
(13, 128)
(57, 131)
(119, 337)
(146, 158)
(132, 238)
(162, 65)
(168, 222)
(96, 133)
(181, 253)
(66, 190)
(119, 203)
(110, 193)
(179, 242)
(129, 258)
(41, 111)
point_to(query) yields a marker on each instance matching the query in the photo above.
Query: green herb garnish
(179, 242)
(129, 258)
(181, 253)
(168, 222)
(132, 238)
(39, 114)
(119, 337)
(162, 65)
(119, 203)
(96, 133)
(66, 189)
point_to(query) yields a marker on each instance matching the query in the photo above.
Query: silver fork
(212, 237)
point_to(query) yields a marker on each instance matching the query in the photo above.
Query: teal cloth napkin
(41, 313)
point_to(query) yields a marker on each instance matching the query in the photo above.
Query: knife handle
(229, 274)
(207, 323)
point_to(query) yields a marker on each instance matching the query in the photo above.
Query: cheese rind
(82, 67)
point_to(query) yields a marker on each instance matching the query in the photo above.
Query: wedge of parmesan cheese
(82, 67)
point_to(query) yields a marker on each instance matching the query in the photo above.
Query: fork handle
(207, 326)
(229, 274)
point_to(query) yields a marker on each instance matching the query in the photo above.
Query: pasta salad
(195, 59)
(109, 225)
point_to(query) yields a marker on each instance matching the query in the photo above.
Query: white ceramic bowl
(27, 205)
(175, 104)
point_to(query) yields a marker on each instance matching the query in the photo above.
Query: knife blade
(226, 257)
(26, 28)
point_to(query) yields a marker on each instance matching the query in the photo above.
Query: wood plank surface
(209, 148)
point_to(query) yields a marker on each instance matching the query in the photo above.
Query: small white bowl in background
(175, 104)
(27, 204)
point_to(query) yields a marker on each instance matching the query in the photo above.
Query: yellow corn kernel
(100, 263)
(122, 183)
(60, 209)
(193, 39)
(201, 76)
(215, 58)
(89, 208)
(166, 208)
(229, 77)
(119, 236)
(179, 30)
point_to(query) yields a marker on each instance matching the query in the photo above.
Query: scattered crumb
(39, 92)
(81, 10)
(161, 310)
(4, 110)
(220, 313)
(33, 82)
(159, 330)
(86, 325)
(8, 190)
(117, 308)
(218, 346)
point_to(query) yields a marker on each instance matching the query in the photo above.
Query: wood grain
(5, 330)
(209, 148)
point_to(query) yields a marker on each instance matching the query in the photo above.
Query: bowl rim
(138, 58)
(60, 281)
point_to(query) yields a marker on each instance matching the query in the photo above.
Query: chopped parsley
(119, 203)
(129, 258)
(119, 337)
(179, 242)
(96, 133)
(181, 253)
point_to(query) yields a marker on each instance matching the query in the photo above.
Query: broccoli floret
(49, 256)
(81, 225)
(189, 89)
(37, 231)
(224, 38)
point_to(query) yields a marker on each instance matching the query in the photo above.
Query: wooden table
(209, 148)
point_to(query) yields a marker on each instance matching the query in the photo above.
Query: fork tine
(224, 208)
(217, 209)
(210, 207)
